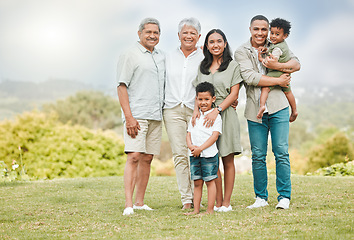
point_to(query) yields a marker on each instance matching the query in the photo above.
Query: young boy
(201, 141)
(279, 31)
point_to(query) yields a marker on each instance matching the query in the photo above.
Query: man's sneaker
(216, 209)
(283, 203)
(144, 207)
(128, 211)
(225, 209)
(258, 203)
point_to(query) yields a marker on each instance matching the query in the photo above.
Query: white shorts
(148, 139)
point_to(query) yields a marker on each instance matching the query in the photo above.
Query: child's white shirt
(200, 134)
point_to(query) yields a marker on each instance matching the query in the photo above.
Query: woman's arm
(196, 113)
(210, 117)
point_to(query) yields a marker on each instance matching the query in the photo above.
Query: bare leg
(291, 99)
(218, 183)
(130, 174)
(211, 186)
(142, 178)
(229, 178)
(262, 101)
(198, 190)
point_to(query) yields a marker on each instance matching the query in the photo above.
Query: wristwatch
(219, 109)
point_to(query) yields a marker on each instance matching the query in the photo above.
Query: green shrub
(338, 169)
(336, 149)
(52, 149)
(91, 109)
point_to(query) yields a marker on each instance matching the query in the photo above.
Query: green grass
(91, 208)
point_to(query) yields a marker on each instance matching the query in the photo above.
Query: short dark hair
(205, 87)
(281, 24)
(259, 17)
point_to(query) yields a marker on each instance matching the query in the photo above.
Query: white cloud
(327, 54)
(80, 39)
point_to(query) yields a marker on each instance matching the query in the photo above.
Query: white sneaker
(216, 209)
(258, 203)
(144, 207)
(283, 203)
(225, 209)
(128, 211)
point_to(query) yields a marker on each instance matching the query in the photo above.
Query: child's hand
(192, 147)
(196, 151)
(261, 52)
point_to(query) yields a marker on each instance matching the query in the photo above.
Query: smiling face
(216, 44)
(149, 36)
(277, 35)
(205, 101)
(189, 37)
(259, 33)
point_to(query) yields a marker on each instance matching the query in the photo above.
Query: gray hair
(193, 22)
(148, 21)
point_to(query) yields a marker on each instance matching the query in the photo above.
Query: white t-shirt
(200, 134)
(180, 72)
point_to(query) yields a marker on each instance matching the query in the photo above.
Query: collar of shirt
(205, 113)
(144, 50)
(190, 55)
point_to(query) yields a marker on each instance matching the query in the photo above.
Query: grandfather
(141, 78)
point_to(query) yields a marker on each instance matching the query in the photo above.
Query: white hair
(193, 22)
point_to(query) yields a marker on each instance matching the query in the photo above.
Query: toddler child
(279, 31)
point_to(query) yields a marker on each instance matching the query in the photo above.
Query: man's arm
(291, 66)
(248, 74)
(131, 123)
(267, 81)
(252, 77)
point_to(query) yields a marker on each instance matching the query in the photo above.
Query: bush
(91, 109)
(338, 169)
(52, 149)
(336, 149)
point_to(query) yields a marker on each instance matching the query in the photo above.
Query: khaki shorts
(148, 139)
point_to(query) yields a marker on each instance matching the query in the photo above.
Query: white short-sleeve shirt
(200, 134)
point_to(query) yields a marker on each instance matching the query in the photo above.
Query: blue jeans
(278, 126)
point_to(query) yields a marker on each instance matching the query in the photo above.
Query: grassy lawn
(91, 208)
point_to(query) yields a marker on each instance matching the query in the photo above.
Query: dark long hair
(208, 57)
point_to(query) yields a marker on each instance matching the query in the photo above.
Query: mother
(219, 69)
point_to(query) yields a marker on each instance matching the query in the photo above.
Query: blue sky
(82, 39)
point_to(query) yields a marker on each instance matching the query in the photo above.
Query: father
(141, 79)
(275, 121)
(181, 69)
